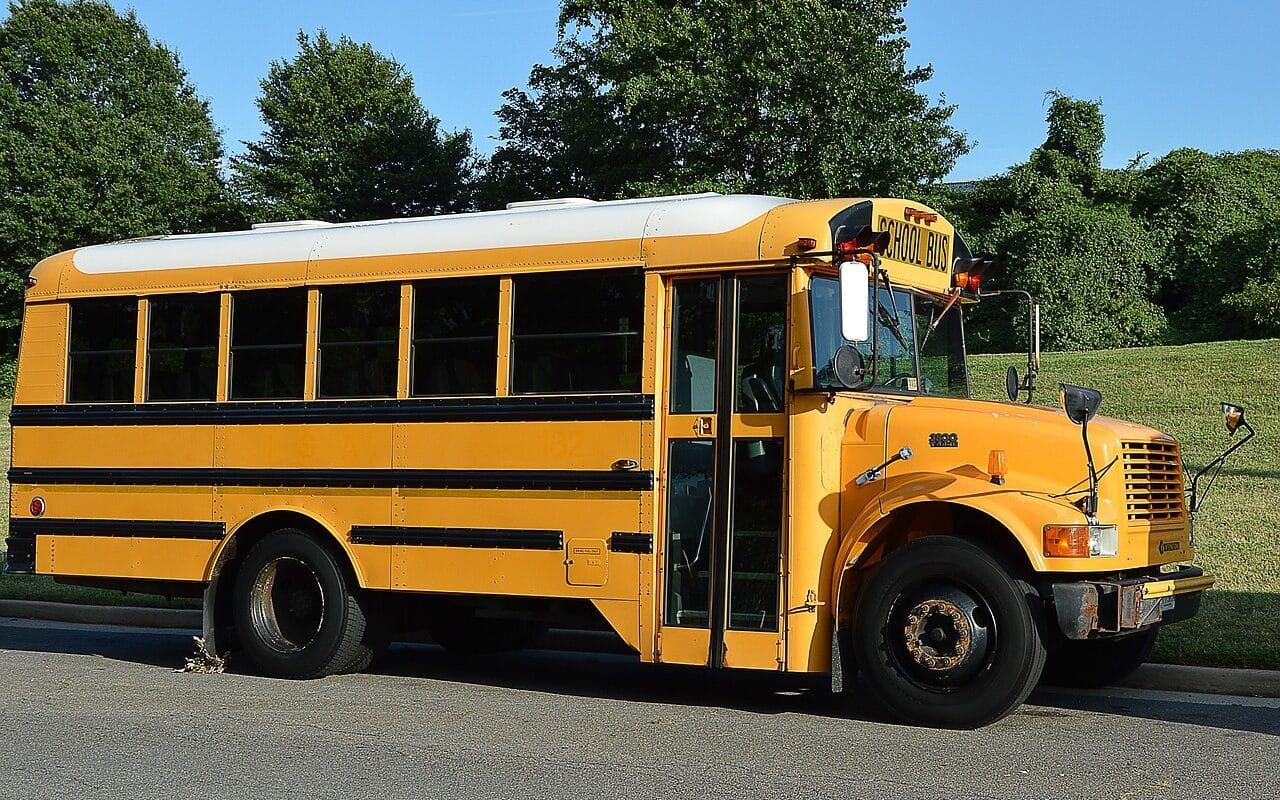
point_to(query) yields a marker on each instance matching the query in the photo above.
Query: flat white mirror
(855, 306)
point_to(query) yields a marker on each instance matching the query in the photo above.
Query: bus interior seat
(694, 383)
(761, 390)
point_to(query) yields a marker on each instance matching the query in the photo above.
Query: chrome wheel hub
(287, 604)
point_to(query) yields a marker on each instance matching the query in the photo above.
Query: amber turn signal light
(997, 466)
(1066, 541)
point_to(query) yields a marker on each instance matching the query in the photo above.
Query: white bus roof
(573, 220)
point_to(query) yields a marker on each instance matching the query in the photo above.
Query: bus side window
(577, 332)
(694, 328)
(359, 337)
(104, 340)
(455, 337)
(762, 339)
(182, 347)
(268, 344)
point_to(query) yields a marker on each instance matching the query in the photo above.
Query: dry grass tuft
(203, 661)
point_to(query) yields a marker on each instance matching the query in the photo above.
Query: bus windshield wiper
(935, 317)
(890, 321)
(887, 317)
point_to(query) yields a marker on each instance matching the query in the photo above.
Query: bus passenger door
(724, 426)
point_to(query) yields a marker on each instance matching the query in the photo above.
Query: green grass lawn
(1175, 389)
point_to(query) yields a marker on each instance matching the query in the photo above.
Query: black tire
(944, 636)
(464, 633)
(1092, 663)
(297, 614)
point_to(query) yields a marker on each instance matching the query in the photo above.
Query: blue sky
(1169, 74)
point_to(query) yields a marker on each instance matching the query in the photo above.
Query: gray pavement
(94, 711)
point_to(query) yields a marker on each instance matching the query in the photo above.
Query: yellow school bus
(733, 430)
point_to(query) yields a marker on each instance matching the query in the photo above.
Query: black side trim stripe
(458, 537)
(638, 407)
(627, 481)
(116, 527)
(622, 542)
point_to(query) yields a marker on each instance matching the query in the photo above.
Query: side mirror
(1080, 403)
(849, 367)
(1013, 384)
(1233, 415)
(855, 301)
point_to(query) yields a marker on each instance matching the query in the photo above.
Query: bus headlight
(1081, 541)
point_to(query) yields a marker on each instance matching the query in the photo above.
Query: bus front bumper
(1086, 609)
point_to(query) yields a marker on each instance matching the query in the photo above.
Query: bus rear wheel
(297, 614)
(945, 636)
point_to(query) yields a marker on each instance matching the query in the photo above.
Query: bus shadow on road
(1237, 714)
(615, 676)
(149, 646)
(622, 677)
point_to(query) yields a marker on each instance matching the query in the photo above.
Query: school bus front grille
(1153, 482)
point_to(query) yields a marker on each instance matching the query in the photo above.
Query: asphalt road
(96, 712)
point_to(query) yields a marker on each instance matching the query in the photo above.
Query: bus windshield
(908, 355)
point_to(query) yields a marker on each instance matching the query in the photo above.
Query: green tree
(347, 139)
(1214, 218)
(101, 138)
(1089, 266)
(1076, 132)
(809, 98)
(1062, 229)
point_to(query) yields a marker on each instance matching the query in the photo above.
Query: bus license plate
(1166, 603)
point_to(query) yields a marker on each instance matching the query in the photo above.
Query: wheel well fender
(1007, 523)
(252, 530)
(221, 573)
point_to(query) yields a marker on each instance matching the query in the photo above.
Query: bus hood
(1043, 451)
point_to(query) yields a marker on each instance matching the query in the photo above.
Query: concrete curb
(1206, 680)
(129, 616)
(1165, 677)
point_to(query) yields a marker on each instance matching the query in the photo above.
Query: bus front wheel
(944, 636)
(297, 613)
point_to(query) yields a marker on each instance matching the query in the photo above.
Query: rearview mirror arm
(1091, 502)
(1196, 499)
(1033, 338)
